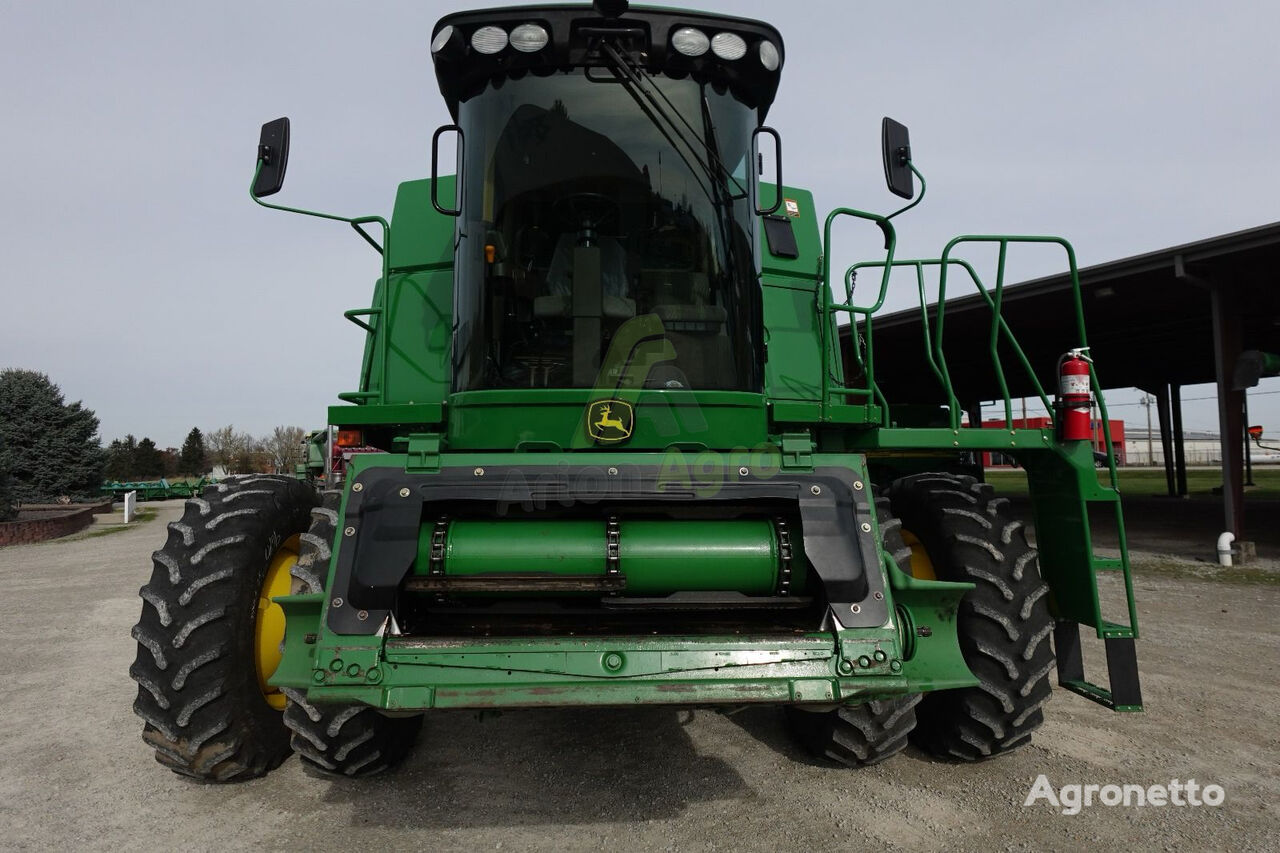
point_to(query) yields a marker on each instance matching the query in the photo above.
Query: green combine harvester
(608, 449)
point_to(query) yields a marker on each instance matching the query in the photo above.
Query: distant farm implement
(157, 490)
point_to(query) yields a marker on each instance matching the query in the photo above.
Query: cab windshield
(598, 221)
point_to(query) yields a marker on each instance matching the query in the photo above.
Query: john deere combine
(608, 449)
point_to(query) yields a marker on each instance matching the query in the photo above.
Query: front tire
(199, 695)
(968, 534)
(865, 734)
(339, 739)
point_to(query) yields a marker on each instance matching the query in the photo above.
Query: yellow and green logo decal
(610, 421)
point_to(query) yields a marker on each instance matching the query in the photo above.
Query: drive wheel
(339, 739)
(866, 734)
(963, 532)
(209, 637)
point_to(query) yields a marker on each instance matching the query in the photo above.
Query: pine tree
(148, 463)
(192, 461)
(8, 511)
(121, 459)
(51, 447)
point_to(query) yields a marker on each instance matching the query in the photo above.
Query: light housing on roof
(489, 40)
(728, 46)
(441, 39)
(529, 38)
(769, 56)
(690, 41)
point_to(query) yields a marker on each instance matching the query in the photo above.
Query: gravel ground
(74, 774)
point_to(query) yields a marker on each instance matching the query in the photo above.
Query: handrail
(933, 339)
(831, 354)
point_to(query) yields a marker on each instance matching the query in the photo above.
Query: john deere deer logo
(609, 420)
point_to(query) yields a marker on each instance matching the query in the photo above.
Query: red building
(1000, 460)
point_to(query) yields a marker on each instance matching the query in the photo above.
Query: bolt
(479, 472)
(353, 670)
(318, 675)
(878, 596)
(856, 608)
(613, 472)
(373, 676)
(613, 661)
(404, 493)
(358, 487)
(743, 471)
(866, 528)
(362, 615)
(895, 666)
(817, 490)
(955, 444)
(335, 664)
(337, 602)
(857, 485)
(846, 667)
(350, 531)
(863, 662)
(880, 655)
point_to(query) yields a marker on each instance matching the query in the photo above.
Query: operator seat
(613, 270)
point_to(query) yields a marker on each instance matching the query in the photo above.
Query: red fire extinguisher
(1075, 398)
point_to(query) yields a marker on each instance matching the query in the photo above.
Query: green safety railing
(862, 336)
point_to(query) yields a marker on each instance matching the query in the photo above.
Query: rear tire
(198, 693)
(866, 734)
(1004, 623)
(339, 739)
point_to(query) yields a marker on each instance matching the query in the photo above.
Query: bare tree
(221, 445)
(284, 447)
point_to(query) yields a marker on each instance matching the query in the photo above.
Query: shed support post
(1226, 344)
(1179, 442)
(1166, 437)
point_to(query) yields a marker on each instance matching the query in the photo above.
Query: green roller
(655, 557)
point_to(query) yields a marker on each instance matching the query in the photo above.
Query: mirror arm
(355, 222)
(919, 198)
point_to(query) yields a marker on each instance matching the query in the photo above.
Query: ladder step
(1114, 630)
(1094, 693)
(1107, 564)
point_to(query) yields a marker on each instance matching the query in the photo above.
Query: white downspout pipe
(1224, 548)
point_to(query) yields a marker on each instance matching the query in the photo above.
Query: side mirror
(758, 159)
(273, 155)
(896, 150)
(456, 210)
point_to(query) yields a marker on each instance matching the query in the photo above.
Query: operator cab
(607, 204)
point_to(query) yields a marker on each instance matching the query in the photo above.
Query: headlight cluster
(693, 42)
(526, 38)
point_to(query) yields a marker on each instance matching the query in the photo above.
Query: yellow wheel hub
(268, 632)
(921, 565)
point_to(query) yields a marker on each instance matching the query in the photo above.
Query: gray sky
(138, 274)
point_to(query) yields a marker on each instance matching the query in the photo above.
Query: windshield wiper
(633, 82)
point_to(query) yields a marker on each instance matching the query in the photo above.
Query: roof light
(528, 38)
(489, 40)
(442, 38)
(728, 46)
(769, 57)
(690, 42)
